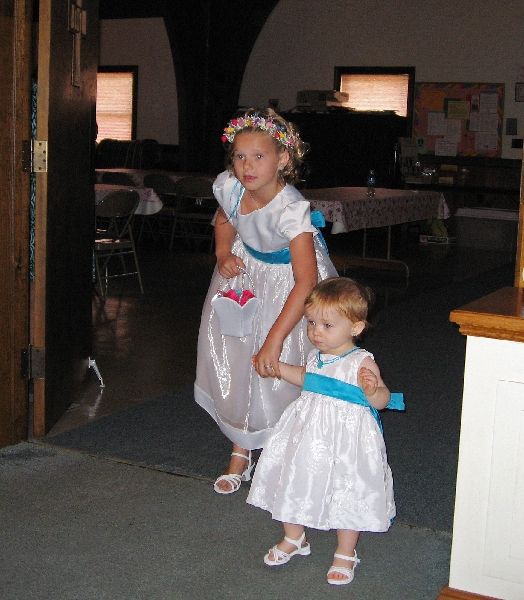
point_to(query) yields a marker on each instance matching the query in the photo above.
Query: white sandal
(281, 558)
(234, 479)
(349, 573)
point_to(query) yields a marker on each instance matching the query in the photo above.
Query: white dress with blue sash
(325, 464)
(244, 405)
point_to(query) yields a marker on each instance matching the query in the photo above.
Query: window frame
(126, 69)
(409, 71)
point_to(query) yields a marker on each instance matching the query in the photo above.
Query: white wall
(144, 42)
(479, 41)
(449, 40)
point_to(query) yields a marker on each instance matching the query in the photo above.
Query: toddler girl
(325, 464)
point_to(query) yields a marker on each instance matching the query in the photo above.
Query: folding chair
(196, 208)
(114, 241)
(165, 222)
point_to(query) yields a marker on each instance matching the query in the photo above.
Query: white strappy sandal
(349, 573)
(234, 479)
(281, 558)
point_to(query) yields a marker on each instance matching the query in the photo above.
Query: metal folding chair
(197, 206)
(165, 222)
(114, 243)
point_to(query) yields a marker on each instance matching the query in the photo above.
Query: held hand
(262, 370)
(368, 381)
(266, 361)
(229, 266)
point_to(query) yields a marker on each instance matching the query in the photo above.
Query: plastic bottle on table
(371, 183)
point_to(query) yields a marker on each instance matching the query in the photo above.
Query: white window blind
(376, 92)
(114, 105)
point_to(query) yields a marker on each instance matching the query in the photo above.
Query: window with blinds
(376, 92)
(116, 103)
(377, 88)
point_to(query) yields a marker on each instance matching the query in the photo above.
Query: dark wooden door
(15, 44)
(64, 221)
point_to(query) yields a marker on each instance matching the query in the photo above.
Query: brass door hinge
(34, 156)
(32, 363)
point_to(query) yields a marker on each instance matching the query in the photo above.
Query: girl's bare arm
(227, 262)
(304, 264)
(371, 383)
(292, 374)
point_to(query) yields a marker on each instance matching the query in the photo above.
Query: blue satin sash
(318, 220)
(329, 386)
(280, 257)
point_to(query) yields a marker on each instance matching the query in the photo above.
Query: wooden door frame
(38, 293)
(519, 264)
(15, 104)
(61, 293)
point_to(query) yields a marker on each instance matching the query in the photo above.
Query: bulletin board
(459, 119)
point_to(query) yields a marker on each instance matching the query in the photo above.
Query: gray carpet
(419, 352)
(171, 433)
(76, 527)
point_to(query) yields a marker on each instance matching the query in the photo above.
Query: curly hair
(292, 172)
(349, 297)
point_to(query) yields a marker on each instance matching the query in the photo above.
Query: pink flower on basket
(234, 295)
(246, 295)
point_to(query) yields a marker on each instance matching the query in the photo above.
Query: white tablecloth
(137, 175)
(150, 202)
(349, 208)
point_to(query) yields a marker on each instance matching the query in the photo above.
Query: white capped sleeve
(227, 190)
(296, 219)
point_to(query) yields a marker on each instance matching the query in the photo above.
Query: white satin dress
(244, 405)
(325, 464)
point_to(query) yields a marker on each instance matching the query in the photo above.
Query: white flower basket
(236, 320)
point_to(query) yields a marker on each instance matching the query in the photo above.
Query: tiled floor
(145, 345)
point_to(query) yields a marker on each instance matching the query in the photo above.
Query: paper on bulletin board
(485, 142)
(488, 102)
(463, 119)
(445, 147)
(436, 123)
(433, 99)
(458, 109)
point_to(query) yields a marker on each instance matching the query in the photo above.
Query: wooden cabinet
(346, 145)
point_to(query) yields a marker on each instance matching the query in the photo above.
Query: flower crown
(279, 132)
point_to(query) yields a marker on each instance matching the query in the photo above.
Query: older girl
(263, 227)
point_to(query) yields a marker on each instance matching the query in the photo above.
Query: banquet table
(351, 209)
(137, 175)
(150, 203)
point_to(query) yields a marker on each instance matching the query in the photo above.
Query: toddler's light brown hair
(349, 297)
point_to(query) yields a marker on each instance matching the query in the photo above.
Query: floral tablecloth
(349, 208)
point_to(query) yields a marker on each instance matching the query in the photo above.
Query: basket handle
(243, 273)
